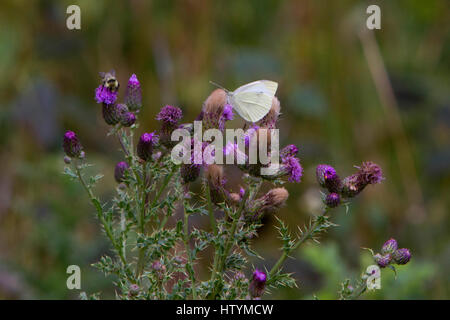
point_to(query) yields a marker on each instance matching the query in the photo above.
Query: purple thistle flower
(291, 166)
(328, 178)
(119, 171)
(145, 145)
(289, 151)
(382, 261)
(333, 200)
(170, 115)
(133, 94)
(389, 246)
(227, 115)
(128, 119)
(258, 284)
(72, 147)
(105, 95)
(190, 172)
(402, 256)
(250, 134)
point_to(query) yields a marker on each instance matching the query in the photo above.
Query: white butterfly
(252, 100)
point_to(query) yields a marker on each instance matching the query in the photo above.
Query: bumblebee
(109, 80)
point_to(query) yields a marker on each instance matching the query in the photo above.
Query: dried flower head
(145, 145)
(213, 109)
(370, 173)
(133, 94)
(270, 119)
(72, 147)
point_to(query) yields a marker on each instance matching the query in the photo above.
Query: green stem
(212, 218)
(359, 291)
(218, 268)
(141, 257)
(105, 225)
(190, 264)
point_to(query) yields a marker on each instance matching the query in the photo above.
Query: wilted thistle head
(389, 246)
(368, 173)
(382, 260)
(213, 109)
(128, 119)
(169, 117)
(72, 147)
(270, 119)
(105, 95)
(214, 176)
(269, 203)
(258, 284)
(402, 256)
(145, 145)
(292, 168)
(133, 94)
(190, 172)
(119, 171)
(333, 199)
(113, 113)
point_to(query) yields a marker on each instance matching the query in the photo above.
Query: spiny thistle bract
(155, 255)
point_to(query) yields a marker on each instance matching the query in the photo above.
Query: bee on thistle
(109, 80)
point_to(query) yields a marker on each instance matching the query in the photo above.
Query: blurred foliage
(330, 107)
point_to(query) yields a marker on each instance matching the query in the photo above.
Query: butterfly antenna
(218, 85)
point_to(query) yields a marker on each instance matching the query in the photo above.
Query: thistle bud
(169, 117)
(120, 170)
(128, 119)
(105, 95)
(270, 119)
(145, 146)
(67, 160)
(333, 200)
(133, 290)
(402, 256)
(382, 261)
(216, 181)
(389, 246)
(133, 94)
(258, 284)
(113, 113)
(72, 147)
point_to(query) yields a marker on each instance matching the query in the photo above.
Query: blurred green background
(336, 106)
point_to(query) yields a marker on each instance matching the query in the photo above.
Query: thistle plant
(155, 249)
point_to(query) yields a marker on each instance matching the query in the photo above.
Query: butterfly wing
(253, 100)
